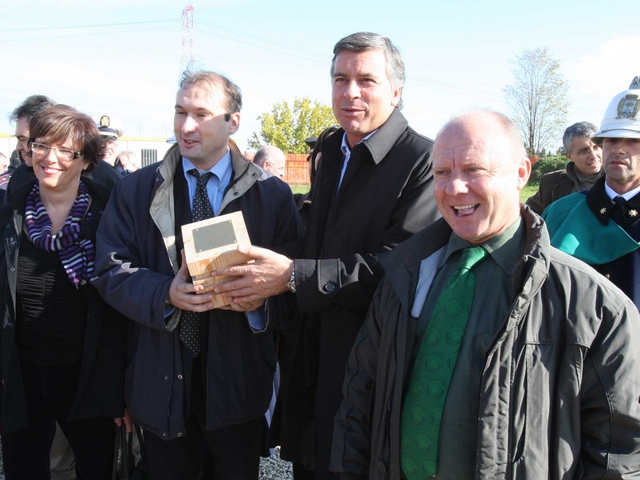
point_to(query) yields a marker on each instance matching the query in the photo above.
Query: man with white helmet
(601, 226)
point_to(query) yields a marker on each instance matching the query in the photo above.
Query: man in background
(4, 163)
(110, 132)
(601, 226)
(128, 161)
(581, 173)
(272, 159)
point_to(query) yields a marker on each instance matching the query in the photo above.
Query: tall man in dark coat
(213, 383)
(374, 189)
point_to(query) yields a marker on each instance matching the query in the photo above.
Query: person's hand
(266, 276)
(242, 306)
(128, 421)
(183, 294)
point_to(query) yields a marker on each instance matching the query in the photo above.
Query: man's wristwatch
(291, 284)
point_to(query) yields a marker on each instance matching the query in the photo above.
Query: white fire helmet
(621, 118)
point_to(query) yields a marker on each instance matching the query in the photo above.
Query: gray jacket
(561, 383)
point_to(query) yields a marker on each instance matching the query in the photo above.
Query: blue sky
(122, 58)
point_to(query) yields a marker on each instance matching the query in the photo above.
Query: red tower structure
(187, 38)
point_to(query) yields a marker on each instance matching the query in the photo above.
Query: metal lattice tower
(187, 38)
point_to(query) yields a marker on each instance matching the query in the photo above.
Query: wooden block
(211, 244)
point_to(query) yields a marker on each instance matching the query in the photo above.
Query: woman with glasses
(62, 346)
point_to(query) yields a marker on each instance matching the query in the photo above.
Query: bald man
(272, 159)
(521, 365)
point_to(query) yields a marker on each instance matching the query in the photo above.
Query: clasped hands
(254, 282)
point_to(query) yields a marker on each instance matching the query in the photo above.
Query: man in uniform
(487, 353)
(195, 375)
(601, 226)
(110, 133)
(581, 172)
(373, 189)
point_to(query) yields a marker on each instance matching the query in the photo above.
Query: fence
(297, 169)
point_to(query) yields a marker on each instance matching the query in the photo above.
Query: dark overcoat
(386, 196)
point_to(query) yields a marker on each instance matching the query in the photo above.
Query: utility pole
(187, 38)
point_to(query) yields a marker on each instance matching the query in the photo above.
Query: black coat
(100, 387)
(385, 197)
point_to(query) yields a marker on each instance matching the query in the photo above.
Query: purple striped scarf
(77, 254)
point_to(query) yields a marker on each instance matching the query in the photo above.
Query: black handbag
(124, 464)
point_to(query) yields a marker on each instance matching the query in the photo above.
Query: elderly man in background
(128, 161)
(487, 353)
(582, 171)
(4, 163)
(601, 226)
(272, 159)
(373, 189)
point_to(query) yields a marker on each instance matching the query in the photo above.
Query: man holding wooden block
(195, 373)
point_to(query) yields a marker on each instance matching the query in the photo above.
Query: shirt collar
(504, 248)
(346, 150)
(221, 169)
(627, 196)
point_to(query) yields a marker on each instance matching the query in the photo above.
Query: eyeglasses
(587, 151)
(61, 153)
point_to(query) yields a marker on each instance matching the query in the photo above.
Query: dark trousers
(234, 449)
(49, 392)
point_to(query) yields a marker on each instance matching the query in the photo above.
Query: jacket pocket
(519, 404)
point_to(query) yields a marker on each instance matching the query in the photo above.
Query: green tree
(287, 128)
(538, 98)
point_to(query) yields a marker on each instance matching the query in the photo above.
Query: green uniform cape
(575, 230)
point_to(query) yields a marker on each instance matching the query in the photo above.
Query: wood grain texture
(201, 264)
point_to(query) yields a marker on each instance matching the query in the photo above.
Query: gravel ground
(272, 468)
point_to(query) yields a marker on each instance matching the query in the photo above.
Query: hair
(580, 129)
(362, 41)
(316, 150)
(232, 93)
(267, 153)
(128, 154)
(30, 106)
(131, 158)
(59, 123)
